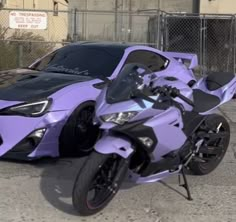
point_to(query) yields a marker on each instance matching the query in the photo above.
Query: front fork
(110, 144)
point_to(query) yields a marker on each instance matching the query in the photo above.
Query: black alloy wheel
(98, 182)
(79, 133)
(214, 147)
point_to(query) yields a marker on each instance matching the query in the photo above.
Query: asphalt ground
(41, 192)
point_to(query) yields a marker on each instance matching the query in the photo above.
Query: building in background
(35, 4)
(57, 17)
(166, 5)
(218, 6)
(111, 24)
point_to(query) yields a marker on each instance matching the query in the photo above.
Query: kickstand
(185, 184)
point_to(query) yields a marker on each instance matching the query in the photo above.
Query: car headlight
(32, 109)
(119, 118)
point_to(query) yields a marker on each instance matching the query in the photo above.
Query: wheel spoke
(103, 181)
(215, 136)
(211, 150)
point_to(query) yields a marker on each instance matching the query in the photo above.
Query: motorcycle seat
(216, 80)
(204, 101)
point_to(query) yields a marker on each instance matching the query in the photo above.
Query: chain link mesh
(218, 50)
(20, 47)
(212, 38)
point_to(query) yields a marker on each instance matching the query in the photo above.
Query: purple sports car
(47, 110)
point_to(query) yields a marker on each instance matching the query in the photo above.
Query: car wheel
(79, 134)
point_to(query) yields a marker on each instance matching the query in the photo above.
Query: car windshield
(92, 61)
(130, 79)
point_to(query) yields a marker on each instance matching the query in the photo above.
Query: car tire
(79, 134)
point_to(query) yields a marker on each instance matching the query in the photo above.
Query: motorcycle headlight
(32, 109)
(119, 118)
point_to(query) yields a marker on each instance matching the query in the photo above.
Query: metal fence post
(130, 21)
(158, 29)
(201, 33)
(164, 32)
(75, 33)
(116, 20)
(204, 46)
(20, 55)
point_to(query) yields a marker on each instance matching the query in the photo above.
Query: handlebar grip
(174, 92)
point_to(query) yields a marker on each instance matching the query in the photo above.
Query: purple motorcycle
(153, 128)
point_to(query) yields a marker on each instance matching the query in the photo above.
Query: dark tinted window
(94, 61)
(152, 60)
(40, 65)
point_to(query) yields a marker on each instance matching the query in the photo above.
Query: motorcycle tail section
(221, 85)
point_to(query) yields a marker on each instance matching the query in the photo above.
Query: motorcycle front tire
(97, 182)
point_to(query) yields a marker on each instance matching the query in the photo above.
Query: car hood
(33, 86)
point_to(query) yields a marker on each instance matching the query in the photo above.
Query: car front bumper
(14, 130)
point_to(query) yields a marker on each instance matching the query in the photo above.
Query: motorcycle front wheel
(98, 182)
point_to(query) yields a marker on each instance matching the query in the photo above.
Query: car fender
(72, 96)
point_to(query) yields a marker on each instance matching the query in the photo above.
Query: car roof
(115, 45)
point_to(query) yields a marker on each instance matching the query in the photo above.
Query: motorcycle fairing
(112, 144)
(135, 130)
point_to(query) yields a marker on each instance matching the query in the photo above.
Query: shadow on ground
(56, 182)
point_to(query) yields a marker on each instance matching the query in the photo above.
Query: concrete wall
(35, 4)
(166, 5)
(119, 26)
(218, 6)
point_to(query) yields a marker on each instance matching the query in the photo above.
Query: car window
(85, 60)
(150, 59)
(42, 63)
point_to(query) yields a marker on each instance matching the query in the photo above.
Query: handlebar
(185, 99)
(173, 92)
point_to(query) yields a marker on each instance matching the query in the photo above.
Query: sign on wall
(28, 20)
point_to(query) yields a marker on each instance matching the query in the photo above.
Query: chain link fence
(20, 47)
(211, 37)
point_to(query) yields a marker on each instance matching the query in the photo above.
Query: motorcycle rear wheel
(98, 182)
(220, 144)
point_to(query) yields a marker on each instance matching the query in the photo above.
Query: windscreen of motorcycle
(133, 76)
